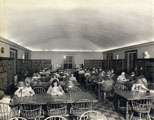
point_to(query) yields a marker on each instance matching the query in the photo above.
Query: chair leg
(104, 95)
(131, 117)
(148, 116)
(140, 116)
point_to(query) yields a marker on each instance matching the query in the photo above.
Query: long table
(45, 98)
(130, 96)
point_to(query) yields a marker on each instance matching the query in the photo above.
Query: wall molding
(5, 41)
(130, 47)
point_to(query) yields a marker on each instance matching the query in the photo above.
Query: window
(68, 62)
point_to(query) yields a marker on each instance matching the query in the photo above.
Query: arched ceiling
(94, 25)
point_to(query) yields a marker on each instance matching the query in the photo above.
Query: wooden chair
(120, 87)
(30, 110)
(57, 108)
(80, 107)
(106, 89)
(74, 89)
(18, 118)
(39, 90)
(152, 114)
(92, 115)
(81, 78)
(7, 112)
(89, 83)
(142, 107)
(151, 86)
(55, 118)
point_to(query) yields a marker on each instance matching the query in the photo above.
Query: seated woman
(54, 78)
(71, 81)
(72, 78)
(7, 110)
(140, 86)
(36, 76)
(24, 90)
(55, 88)
(122, 78)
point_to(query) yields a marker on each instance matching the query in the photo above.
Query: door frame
(126, 58)
(109, 62)
(15, 60)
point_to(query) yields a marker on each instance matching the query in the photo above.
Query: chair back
(92, 115)
(107, 85)
(30, 110)
(151, 86)
(120, 87)
(55, 118)
(81, 106)
(75, 89)
(143, 106)
(57, 108)
(18, 118)
(39, 90)
(7, 112)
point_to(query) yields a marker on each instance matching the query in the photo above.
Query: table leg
(118, 106)
(99, 92)
(127, 113)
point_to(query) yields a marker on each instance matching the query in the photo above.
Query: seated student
(132, 80)
(66, 74)
(142, 80)
(6, 110)
(72, 78)
(54, 78)
(122, 78)
(93, 77)
(132, 77)
(47, 77)
(87, 73)
(28, 80)
(81, 71)
(102, 73)
(139, 86)
(36, 76)
(24, 90)
(55, 88)
(70, 82)
(57, 74)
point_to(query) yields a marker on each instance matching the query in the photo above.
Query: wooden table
(45, 98)
(130, 95)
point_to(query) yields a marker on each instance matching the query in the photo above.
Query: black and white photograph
(76, 59)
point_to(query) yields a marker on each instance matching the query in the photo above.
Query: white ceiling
(82, 25)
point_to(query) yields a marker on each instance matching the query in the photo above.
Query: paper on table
(152, 91)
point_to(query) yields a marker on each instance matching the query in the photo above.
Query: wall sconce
(64, 57)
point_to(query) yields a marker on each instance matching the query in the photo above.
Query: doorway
(109, 60)
(130, 57)
(14, 54)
